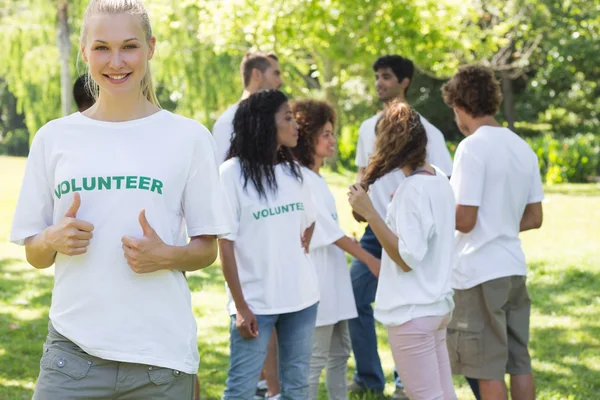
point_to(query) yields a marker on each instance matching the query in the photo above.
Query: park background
(544, 51)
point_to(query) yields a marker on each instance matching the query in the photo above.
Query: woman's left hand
(148, 253)
(360, 202)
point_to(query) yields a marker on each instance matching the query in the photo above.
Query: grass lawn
(564, 280)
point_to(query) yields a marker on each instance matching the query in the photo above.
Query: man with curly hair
(393, 76)
(498, 190)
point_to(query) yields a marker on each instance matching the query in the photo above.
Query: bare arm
(466, 218)
(355, 250)
(360, 202)
(199, 253)
(70, 236)
(533, 216)
(245, 319)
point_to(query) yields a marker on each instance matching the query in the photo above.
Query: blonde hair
(132, 7)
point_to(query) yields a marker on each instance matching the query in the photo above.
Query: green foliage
(15, 143)
(574, 159)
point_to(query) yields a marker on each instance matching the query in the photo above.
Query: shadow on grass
(567, 352)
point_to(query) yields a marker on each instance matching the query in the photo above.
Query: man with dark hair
(81, 94)
(259, 71)
(498, 191)
(393, 76)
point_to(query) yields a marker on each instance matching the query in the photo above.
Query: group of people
(124, 198)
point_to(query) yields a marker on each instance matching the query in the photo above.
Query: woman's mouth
(117, 78)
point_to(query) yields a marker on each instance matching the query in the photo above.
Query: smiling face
(287, 128)
(117, 52)
(325, 143)
(387, 84)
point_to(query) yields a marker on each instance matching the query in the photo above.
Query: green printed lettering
(74, 186)
(300, 206)
(292, 206)
(271, 211)
(256, 215)
(91, 186)
(131, 182)
(104, 182)
(57, 192)
(264, 213)
(65, 187)
(144, 183)
(278, 210)
(334, 215)
(118, 179)
(156, 184)
(284, 209)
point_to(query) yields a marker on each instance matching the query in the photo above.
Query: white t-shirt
(223, 132)
(382, 190)
(422, 214)
(497, 171)
(337, 299)
(275, 274)
(163, 163)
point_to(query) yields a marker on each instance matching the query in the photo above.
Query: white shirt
(382, 190)
(337, 299)
(223, 132)
(120, 168)
(275, 274)
(422, 214)
(495, 170)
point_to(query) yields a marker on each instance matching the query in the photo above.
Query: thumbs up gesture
(70, 236)
(146, 254)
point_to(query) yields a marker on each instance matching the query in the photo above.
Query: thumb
(146, 228)
(72, 211)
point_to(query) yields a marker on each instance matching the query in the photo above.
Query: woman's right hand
(70, 236)
(246, 323)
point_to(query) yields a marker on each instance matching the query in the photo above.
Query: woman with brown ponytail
(414, 296)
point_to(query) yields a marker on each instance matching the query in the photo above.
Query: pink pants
(421, 358)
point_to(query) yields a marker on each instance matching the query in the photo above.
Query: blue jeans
(294, 345)
(369, 373)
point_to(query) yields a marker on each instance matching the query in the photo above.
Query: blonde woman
(106, 197)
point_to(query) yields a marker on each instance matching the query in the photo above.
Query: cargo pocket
(72, 365)
(162, 376)
(465, 333)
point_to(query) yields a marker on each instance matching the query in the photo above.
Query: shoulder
(368, 125)
(227, 116)
(54, 129)
(186, 128)
(430, 129)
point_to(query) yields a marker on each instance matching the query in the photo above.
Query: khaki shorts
(489, 331)
(68, 373)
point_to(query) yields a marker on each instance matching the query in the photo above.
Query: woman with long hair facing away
(106, 197)
(331, 343)
(271, 281)
(414, 295)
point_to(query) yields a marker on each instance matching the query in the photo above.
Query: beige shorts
(68, 373)
(489, 331)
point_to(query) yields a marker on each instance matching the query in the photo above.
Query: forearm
(528, 223)
(355, 250)
(199, 253)
(230, 272)
(388, 239)
(38, 252)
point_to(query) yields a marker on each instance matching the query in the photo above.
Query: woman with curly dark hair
(331, 342)
(271, 281)
(414, 294)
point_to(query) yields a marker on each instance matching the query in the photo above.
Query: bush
(574, 159)
(15, 143)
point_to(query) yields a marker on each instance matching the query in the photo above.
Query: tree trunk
(64, 51)
(509, 99)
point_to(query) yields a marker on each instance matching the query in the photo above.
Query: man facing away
(393, 75)
(498, 190)
(259, 71)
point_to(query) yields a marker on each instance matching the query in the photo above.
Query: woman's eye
(130, 46)
(101, 48)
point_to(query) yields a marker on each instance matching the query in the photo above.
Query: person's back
(508, 168)
(498, 190)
